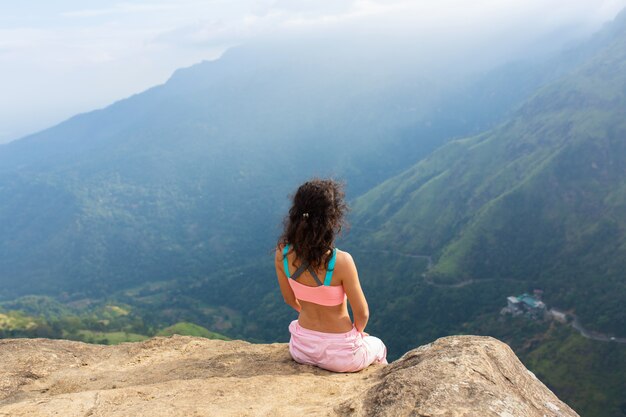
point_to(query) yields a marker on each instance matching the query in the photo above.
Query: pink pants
(337, 352)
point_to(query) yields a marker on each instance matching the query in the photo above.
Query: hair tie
(305, 215)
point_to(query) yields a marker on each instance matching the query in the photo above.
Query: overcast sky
(62, 57)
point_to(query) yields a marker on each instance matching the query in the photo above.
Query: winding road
(575, 323)
(590, 334)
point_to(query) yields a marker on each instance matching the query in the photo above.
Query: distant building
(524, 304)
(512, 306)
(512, 302)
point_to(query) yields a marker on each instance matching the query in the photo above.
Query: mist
(65, 59)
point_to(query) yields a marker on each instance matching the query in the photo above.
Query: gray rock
(187, 376)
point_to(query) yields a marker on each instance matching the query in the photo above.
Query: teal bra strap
(285, 262)
(331, 268)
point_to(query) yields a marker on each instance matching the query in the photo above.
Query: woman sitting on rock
(315, 279)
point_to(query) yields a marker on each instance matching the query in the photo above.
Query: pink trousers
(337, 352)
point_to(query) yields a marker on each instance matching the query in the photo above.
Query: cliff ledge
(187, 376)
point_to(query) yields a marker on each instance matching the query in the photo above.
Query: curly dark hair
(315, 218)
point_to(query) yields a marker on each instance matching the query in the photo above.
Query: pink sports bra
(324, 294)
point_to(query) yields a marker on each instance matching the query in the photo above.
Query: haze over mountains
(173, 182)
(170, 200)
(541, 198)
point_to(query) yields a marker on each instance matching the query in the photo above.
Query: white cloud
(308, 7)
(121, 8)
(64, 58)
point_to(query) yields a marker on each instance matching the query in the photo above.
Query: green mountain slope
(541, 199)
(191, 176)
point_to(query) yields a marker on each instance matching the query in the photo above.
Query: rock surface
(186, 376)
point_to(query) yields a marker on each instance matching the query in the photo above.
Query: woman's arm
(352, 286)
(285, 288)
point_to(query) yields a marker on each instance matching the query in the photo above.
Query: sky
(65, 57)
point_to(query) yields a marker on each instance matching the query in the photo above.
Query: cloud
(420, 19)
(121, 8)
(92, 56)
(307, 7)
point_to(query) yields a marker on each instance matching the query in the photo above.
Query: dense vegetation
(103, 322)
(541, 198)
(192, 176)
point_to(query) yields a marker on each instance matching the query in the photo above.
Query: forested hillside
(539, 202)
(541, 199)
(192, 176)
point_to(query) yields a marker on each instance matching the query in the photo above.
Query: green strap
(331, 268)
(285, 262)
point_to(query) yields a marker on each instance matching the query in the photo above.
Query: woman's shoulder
(345, 268)
(343, 258)
(343, 253)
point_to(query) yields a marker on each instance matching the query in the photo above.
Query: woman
(316, 278)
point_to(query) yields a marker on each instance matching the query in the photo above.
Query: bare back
(328, 319)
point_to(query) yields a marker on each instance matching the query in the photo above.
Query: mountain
(538, 202)
(540, 199)
(191, 176)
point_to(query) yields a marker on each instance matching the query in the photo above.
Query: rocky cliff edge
(187, 376)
